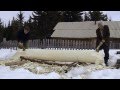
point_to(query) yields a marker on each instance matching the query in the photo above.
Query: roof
(85, 29)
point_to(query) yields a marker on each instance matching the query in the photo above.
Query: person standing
(23, 36)
(103, 40)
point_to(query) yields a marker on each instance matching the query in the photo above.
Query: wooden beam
(47, 62)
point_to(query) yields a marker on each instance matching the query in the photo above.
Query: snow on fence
(57, 44)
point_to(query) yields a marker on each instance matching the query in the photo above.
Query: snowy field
(78, 72)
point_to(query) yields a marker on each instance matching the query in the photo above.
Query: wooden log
(87, 56)
(46, 61)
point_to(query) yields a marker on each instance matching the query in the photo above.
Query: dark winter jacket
(105, 35)
(22, 37)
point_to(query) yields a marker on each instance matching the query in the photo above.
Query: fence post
(77, 43)
(119, 45)
(51, 44)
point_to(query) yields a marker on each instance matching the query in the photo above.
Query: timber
(83, 56)
(45, 61)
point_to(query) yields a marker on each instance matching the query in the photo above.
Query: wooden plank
(82, 44)
(48, 43)
(66, 44)
(79, 44)
(51, 43)
(62, 44)
(73, 44)
(55, 43)
(88, 44)
(76, 44)
(85, 45)
(58, 43)
(70, 44)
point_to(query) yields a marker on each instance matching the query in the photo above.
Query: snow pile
(82, 72)
(75, 73)
(7, 73)
(6, 53)
(113, 57)
(105, 74)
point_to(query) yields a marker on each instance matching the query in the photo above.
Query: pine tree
(97, 16)
(53, 17)
(1, 30)
(12, 29)
(45, 21)
(33, 29)
(6, 30)
(20, 19)
(15, 27)
(37, 18)
(72, 16)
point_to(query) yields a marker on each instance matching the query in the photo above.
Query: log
(46, 61)
(87, 56)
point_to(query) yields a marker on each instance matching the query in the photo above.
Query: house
(85, 31)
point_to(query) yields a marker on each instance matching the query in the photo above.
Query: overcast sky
(8, 15)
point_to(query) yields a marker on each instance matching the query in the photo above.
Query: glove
(20, 45)
(101, 43)
(103, 40)
(97, 49)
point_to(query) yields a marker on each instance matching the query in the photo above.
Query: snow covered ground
(78, 72)
(6, 53)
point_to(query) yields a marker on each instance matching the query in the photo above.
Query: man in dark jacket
(23, 37)
(102, 42)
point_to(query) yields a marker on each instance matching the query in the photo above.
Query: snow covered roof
(85, 29)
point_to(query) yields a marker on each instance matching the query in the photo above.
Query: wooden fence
(58, 44)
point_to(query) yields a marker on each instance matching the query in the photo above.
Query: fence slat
(58, 44)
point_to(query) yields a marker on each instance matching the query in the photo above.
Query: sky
(8, 15)
(114, 15)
